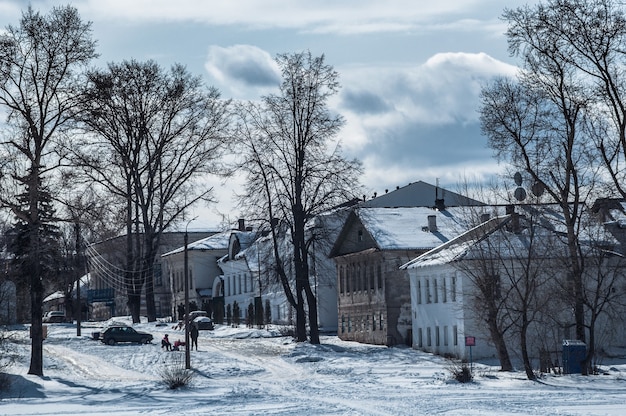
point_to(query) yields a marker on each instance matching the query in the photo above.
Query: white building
(202, 257)
(524, 263)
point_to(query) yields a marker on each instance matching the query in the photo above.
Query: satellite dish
(517, 178)
(520, 194)
(537, 189)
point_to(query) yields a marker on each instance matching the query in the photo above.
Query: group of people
(193, 334)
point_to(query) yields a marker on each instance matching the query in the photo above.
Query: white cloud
(443, 90)
(327, 16)
(419, 122)
(242, 69)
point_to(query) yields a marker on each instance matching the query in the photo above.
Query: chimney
(432, 223)
(515, 223)
(439, 201)
(484, 217)
(242, 224)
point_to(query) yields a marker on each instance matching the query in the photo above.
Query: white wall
(441, 318)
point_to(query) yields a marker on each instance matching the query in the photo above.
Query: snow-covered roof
(84, 285)
(217, 241)
(548, 237)
(408, 228)
(458, 246)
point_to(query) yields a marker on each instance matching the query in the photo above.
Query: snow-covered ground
(256, 372)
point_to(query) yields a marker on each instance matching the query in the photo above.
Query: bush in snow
(461, 372)
(174, 374)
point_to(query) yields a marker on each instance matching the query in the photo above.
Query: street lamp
(187, 346)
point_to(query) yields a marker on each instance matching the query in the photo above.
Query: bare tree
(156, 135)
(587, 37)
(40, 74)
(294, 168)
(562, 121)
(536, 124)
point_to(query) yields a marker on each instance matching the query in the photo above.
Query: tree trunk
(36, 279)
(150, 304)
(134, 306)
(498, 340)
(36, 328)
(300, 315)
(528, 368)
(314, 333)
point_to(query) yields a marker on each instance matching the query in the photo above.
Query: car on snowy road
(122, 333)
(203, 322)
(54, 317)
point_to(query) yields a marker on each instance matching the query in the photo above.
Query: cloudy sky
(410, 70)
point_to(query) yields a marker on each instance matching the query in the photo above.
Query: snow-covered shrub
(174, 374)
(460, 371)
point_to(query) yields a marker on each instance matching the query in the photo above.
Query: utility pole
(187, 346)
(186, 323)
(78, 272)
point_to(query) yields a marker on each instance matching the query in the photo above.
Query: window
(419, 291)
(435, 291)
(353, 278)
(348, 287)
(379, 273)
(428, 298)
(360, 235)
(349, 324)
(444, 293)
(437, 342)
(343, 324)
(420, 341)
(359, 280)
(371, 277)
(342, 285)
(428, 340)
(373, 323)
(445, 336)
(453, 288)
(455, 336)
(380, 321)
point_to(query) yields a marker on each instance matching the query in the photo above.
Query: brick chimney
(432, 223)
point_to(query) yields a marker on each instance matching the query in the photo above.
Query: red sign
(470, 341)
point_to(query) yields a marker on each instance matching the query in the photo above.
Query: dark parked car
(203, 322)
(115, 334)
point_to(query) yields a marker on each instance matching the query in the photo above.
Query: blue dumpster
(574, 352)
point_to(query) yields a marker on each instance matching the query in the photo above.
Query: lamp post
(187, 346)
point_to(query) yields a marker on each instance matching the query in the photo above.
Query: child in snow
(165, 342)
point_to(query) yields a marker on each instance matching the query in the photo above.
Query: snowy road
(236, 374)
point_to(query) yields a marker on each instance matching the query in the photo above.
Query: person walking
(194, 336)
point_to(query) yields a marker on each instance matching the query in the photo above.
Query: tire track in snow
(93, 367)
(285, 374)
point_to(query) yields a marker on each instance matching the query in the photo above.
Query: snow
(239, 371)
